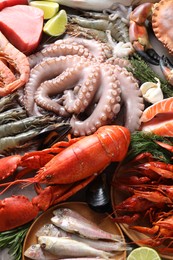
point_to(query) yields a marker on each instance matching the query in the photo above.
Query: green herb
(143, 72)
(146, 142)
(13, 239)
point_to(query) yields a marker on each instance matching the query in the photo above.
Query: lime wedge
(144, 253)
(49, 8)
(56, 26)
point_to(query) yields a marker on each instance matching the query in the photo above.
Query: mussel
(98, 194)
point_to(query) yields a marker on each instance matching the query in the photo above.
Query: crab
(161, 17)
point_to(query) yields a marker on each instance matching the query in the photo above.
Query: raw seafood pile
(51, 167)
(20, 133)
(97, 87)
(70, 235)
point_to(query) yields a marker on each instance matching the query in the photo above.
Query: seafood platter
(43, 223)
(86, 97)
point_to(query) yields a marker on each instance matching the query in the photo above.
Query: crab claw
(167, 69)
(139, 38)
(150, 55)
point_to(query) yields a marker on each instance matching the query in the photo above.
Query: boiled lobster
(65, 168)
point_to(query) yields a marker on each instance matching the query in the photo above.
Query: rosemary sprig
(146, 142)
(143, 72)
(13, 239)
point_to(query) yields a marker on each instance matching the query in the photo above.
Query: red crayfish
(64, 168)
(146, 187)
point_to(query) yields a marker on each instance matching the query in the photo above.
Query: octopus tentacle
(45, 70)
(83, 81)
(88, 79)
(79, 101)
(56, 50)
(131, 97)
(119, 49)
(121, 62)
(52, 87)
(108, 104)
(101, 51)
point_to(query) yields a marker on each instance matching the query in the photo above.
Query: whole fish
(109, 246)
(71, 221)
(66, 247)
(51, 230)
(35, 252)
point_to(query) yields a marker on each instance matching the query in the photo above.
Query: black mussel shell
(98, 195)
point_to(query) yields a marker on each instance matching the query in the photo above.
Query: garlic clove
(151, 91)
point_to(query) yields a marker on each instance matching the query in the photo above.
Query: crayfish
(146, 186)
(65, 168)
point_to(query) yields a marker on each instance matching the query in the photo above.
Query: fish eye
(43, 245)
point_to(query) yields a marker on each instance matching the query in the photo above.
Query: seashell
(151, 91)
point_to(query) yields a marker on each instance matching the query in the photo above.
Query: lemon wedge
(144, 253)
(49, 8)
(56, 26)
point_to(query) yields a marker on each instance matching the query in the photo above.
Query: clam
(151, 91)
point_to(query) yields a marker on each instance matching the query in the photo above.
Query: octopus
(80, 80)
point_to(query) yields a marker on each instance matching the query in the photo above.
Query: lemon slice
(144, 253)
(49, 8)
(56, 26)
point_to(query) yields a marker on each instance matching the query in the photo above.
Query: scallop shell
(151, 91)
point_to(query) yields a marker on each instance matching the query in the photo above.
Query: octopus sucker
(77, 103)
(107, 103)
(73, 46)
(131, 97)
(101, 51)
(64, 83)
(46, 70)
(56, 50)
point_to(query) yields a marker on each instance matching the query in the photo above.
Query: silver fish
(66, 247)
(51, 230)
(35, 252)
(109, 246)
(71, 221)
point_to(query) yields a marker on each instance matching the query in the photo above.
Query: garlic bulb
(151, 91)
